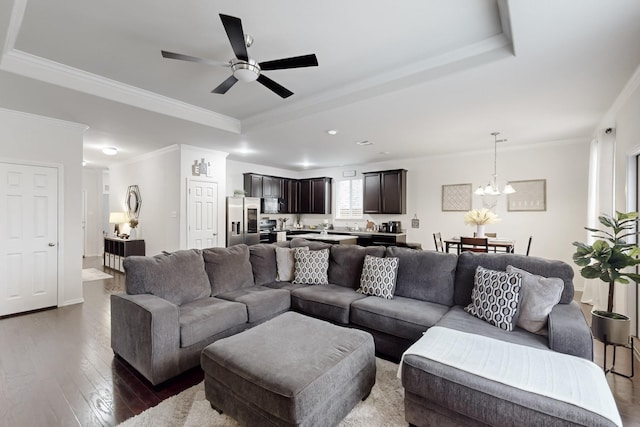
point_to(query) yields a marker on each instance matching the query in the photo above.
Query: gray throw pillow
(494, 297)
(378, 276)
(311, 267)
(286, 262)
(538, 296)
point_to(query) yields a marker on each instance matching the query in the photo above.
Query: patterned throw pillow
(285, 262)
(311, 267)
(379, 276)
(495, 297)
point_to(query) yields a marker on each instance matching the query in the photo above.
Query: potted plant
(606, 259)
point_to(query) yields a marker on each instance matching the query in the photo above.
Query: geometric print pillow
(311, 266)
(378, 276)
(495, 297)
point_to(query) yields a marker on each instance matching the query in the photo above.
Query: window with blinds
(349, 199)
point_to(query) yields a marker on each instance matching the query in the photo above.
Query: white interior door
(28, 237)
(203, 214)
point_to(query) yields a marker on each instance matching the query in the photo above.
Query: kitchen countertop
(347, 232)
(326, 237)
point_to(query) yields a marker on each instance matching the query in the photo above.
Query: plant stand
(613, 365)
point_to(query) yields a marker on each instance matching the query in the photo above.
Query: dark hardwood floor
(57, 368)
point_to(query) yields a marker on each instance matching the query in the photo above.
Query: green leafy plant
(610, 253)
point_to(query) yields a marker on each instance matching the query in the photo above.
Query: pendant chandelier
(492, 187)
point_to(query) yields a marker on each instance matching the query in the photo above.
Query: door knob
(214, 234)
(51, 244)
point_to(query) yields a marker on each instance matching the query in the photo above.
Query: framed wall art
(530, 195)
(456, 198)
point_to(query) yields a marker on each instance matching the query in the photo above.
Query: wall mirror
(133, 201)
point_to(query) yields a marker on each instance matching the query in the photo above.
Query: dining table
(495, 244)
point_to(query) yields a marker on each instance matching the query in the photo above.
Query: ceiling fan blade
(270, 84)
(173, 55)
(225, 85)
(233, 27)
(294, 62)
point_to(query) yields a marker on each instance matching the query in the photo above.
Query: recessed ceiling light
(364, 143)
(110, 151)
(332, 132)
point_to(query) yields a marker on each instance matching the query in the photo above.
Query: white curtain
(601, 200)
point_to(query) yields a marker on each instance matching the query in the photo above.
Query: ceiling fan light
(245, 71)
(479, 191)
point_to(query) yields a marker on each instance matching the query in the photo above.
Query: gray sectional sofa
(178, 303)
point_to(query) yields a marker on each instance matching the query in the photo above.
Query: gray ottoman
(292, 370)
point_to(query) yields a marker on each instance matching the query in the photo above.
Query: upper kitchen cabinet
(290, 190)
(315, 196)
(385, 192)
(253, 185)
(271, 187)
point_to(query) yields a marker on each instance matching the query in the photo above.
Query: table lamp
(117, 218)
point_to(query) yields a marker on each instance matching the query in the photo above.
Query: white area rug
(383, 408)
(89, 274)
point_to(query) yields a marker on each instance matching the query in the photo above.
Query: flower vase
(133, 234)
(480, 230)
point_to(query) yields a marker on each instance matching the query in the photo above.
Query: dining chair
(473, 244)
(475, 234)
(437, 240)
(529, 245)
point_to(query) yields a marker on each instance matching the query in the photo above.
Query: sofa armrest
(569, 332)
(145, 331)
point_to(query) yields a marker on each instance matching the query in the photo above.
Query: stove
(266, 227)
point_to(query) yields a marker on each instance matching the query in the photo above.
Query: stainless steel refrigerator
(243, 220)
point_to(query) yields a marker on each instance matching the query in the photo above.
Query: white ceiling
(419, 78)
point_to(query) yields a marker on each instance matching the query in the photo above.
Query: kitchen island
(339, 239)
(364, 238)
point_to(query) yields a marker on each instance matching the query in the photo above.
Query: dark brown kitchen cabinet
(271, 187)
(385, 192)
(253, 185)
(290, 189)
(315, 196)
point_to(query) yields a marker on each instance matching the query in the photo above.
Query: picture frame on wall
(456, 198)
(530, 196)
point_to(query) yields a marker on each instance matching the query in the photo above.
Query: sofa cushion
(331, 302)
(286, 262)
(262, 302)
(495, 297)
(228, 268)
(538, 296)
(378, 276)
(401, 317)
(314, 245)
(178, 277)
(468, 261)
(425, 275)
(346, 261)
(263, 263)
(457, 318)
(205, 317)
(311, 266)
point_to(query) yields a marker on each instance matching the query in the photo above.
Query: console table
(116, 250)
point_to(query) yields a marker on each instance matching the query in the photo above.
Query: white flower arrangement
(480, 217)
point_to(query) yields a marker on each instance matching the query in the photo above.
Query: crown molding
(57, 122)
(488, 50)
(25, 64)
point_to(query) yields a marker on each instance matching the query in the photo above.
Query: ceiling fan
(244, 68)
